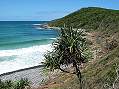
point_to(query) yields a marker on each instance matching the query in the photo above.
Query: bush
(8, 84)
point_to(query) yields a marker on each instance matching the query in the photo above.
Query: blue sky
(36, 10)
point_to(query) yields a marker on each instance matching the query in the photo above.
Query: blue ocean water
(22, 44)
(23, 34)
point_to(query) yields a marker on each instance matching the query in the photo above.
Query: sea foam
(22, 58)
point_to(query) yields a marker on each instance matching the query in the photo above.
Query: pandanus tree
(68, 50)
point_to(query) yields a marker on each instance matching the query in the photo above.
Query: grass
(102, 71)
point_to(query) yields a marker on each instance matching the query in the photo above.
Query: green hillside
(90, 18)
(99, 73)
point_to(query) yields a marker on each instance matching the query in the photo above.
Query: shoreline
(8, 73)
(46, 26)
(24, 58)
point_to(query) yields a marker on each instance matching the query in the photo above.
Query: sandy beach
(34, 74)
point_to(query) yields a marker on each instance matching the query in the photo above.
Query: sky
(46, 10)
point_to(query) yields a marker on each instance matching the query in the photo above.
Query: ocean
(22, 44)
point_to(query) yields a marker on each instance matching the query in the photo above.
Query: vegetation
(20, 84)
(90, 18)
(69, 51)
(99, 74)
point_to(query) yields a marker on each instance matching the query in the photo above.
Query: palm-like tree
(68, 49)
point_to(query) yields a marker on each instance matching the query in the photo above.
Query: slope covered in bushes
(90, 18)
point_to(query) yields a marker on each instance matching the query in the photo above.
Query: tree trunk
(78, 73)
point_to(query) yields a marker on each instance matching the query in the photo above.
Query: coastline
(22, 58)
(25, 58)
(46, 26)
(24, 69)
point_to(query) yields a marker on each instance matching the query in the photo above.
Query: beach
(33, 74)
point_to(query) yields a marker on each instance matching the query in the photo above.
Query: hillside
(102, 71)
(90, 18)
(97, 75)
